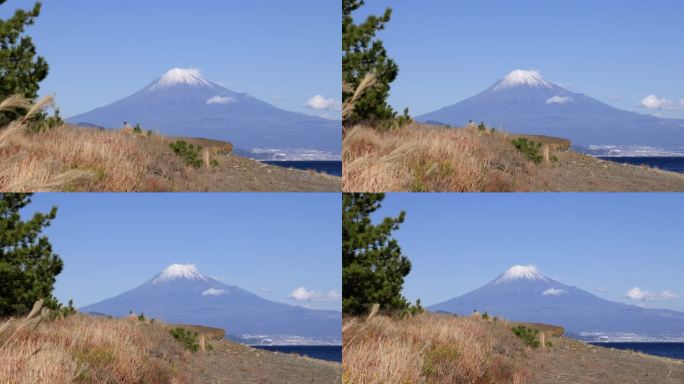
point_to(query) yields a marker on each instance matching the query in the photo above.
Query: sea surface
(322, 352)
(331, 167)
(673, 164)
(672, 350)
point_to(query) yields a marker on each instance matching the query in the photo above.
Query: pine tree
(28, 266)
(20, 68)
(373, 267)
(362, 53)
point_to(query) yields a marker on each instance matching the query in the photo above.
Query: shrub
(481, 126)
(528, 335)
(187, 338)
(188, 152)
(141, 317)
(529, 148)
(138, 129)
(485, 316)
(438, 363)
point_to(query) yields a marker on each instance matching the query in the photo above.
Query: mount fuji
(523, 102)
(181, 294)
(183, 103)
(522, 293)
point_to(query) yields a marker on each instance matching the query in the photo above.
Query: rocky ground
(571, 361)
(233, 363)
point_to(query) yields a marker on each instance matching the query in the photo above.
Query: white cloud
(637, 293)
(554, 292)
(220, 100)
(302, 294)
(660, 103)
(214, 292)
(320, 103)
(559, 100)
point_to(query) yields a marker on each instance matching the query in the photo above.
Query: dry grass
(431, 348)
(88, 349)
(421, 158)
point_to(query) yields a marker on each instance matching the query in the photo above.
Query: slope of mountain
(182, 103)
(524, 294)
(181, 294)
(523, 102)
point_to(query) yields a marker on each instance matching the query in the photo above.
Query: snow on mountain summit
(520, 272)
(178, 76)
(179, 271)
(531, 78)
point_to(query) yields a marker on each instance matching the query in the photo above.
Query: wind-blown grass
(430, 348)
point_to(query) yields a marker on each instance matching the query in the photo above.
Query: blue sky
(614, 50)
(267, 243)
(606, 244)
(100, 51)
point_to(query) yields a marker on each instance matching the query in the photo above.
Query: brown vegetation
(87, 349)
(431, 348)
(71, 158)
(420, 157)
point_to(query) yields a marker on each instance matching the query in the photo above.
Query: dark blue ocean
(331, 167)
(672, 350)
(673, 164)
(322, 352)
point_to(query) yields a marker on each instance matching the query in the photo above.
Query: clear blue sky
(606, 244)
(283, 52)
(267, 243)
(614, 50)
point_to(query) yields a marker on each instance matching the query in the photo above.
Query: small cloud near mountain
(320, 103)
(637, 293)
(558, 100)
(302, 294)
(214, 292)
(220, 100)
(554, 292)
(660, 103)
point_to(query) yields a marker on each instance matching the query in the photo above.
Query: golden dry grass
(431, 348)
(421, 158)
(89, 349)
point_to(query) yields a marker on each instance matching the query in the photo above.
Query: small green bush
(188, 152)
(187, 338)
(528, 335)
(138, 129)
(437, 359)
(529, 148)
(141, 317)
(481, 126)
(485, 316)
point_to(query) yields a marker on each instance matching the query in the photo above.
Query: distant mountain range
(523, 102)
(181, 294)
(183, 103)
(523, 294)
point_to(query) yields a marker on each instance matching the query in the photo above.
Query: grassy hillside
(97, 349)
(433, 348)
(421, 157)
(71, 158)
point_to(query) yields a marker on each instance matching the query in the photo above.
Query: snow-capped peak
(179, 271)
(520, 272)
(178, 76)
(531, 78)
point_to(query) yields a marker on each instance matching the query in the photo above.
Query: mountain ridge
(584, 315)
(181, 294)
(183, 103)
(523, 102)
